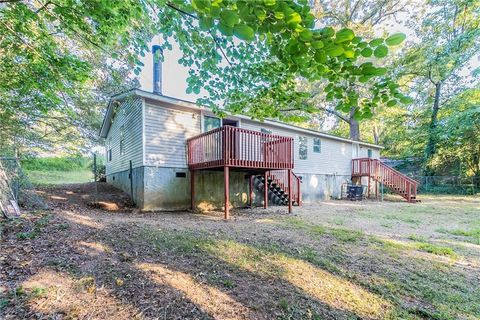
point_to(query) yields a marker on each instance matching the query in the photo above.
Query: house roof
(191, 105)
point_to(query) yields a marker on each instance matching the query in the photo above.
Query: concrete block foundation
(168, 189)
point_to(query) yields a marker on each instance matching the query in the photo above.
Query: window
(302, 148)
(122, 140)
(263, 130)
(210, 123)
(317, 145)
(369, 152)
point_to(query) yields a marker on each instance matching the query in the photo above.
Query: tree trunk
(354, 126)
(376, 135)
(431, 146)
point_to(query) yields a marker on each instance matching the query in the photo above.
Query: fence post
(17, 178)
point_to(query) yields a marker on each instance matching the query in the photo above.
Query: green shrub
(61, 163)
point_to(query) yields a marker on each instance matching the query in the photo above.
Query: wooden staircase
(278, 191)
(389, 177)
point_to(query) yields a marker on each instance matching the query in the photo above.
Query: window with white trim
(263, 130)
(317, 145)
(302, 148)
(210, 123)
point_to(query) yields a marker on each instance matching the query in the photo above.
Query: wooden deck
(239, 148)
(231, 148)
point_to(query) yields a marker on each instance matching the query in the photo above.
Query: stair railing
(393, 179)
(280, 177)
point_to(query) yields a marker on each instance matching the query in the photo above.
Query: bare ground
(336, 260)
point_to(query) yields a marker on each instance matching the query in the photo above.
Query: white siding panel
(129, 115)
(335, 156)
(166, 132)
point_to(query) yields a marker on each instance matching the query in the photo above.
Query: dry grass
(338, 260)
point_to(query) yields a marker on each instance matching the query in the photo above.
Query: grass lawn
(336, 260)
(59, 177)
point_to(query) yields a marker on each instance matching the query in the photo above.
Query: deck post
(192, 189)
(251, 191)
(368, 190)
(226, 173)
(290, 193)
(265, 191)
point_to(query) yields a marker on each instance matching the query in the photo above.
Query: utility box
(354, 192)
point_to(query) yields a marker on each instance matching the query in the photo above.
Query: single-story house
(171, 154)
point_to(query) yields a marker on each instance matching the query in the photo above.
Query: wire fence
(448, 184)
(19, 184)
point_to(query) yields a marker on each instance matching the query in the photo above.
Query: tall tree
(460, 142)
(364, 17)
(278, 42)
(449, 36)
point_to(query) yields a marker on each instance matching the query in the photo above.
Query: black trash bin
(355, 192)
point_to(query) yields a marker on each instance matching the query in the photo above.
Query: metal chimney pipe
(157, 68)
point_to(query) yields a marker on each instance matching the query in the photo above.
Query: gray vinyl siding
(166, 130)
(128, 115)
(334, 158)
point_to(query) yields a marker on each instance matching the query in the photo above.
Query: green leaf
(344, 35)
(317, 44)
(395, 39)
(356, 40)
(200, 4)
(321, 56)
(269, 3)
(334, 51)
(327, 31)
(391, 103)
(406, 100)
(205, 23)
(294, 18)
(349, 53)
(229, 18)
(279, 15)
(306, 35)
(244, 32)
(366, 52)
(226, 30)
(381, 51)
(376, 42)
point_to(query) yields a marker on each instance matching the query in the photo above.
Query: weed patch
(472, 235)
(36, 230)
(346, 235)
(438, 250)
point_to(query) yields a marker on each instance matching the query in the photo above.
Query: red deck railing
(391, 178)
(280, 177)
(237, 147)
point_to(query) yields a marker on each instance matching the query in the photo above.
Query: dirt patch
(86, 195)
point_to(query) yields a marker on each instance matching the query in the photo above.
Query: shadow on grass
(128, 270)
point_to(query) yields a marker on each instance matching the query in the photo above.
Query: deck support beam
(226, 174)
(290, 190)
(192, 189)
(265, 190)
(250, 197)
